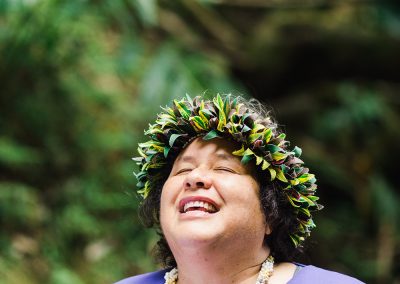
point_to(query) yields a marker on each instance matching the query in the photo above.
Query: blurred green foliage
(80, 80)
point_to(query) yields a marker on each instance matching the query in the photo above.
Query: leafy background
(80, 80)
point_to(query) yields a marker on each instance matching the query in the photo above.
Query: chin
(195, 235)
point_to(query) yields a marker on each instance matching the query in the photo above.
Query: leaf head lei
(227, 117)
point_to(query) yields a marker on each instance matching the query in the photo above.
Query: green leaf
(166, 151)
(277, 156)
(218, 102)
(207, 113)
(137, 159)
(272, 148)
(227, 105)
(265, 165)
(305, 177)
(182, 108)
(280, 175)
(153, 130)
(295, 240)
(248, 152)
(246, 159)
(253, 137)
(173, 138)
(245, 153)
(141, 152)
(199, 123)
(246, 129)
(147, 144)
(204, 114)
(257, 127)
(307, 200)
(239, 152)
(149, 157)
(234, 103)
(305, 211)
(188, 98)
(168, 110)
(281, 136)
(210, 135)
(167, 120)
(297, 151)
(292, 200)
(146, 189)
(272, 173)
(313, 197)
(268, 135)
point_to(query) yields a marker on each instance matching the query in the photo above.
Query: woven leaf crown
(228, 117)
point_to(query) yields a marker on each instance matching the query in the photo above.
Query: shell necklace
(265, 273)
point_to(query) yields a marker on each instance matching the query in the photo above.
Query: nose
(197, 179)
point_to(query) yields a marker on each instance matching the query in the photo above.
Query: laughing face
(210, 197)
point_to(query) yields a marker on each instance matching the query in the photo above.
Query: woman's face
(211, 197)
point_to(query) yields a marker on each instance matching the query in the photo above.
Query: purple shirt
(306, 275)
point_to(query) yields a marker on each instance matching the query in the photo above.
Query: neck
(217, 265)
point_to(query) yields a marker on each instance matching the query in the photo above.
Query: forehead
(215, 148)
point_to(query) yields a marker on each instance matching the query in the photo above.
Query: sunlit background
(80, 80)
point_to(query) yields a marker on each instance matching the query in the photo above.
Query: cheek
(168, 196)
(167, 190)
(163, 209)
(248, 198)
(247, 190)
(164, 199)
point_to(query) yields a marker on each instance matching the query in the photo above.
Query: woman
(232, 202)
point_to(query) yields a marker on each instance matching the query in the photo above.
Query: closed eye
(183, 171)
(225, 169)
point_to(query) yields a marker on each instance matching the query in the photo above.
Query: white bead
(265, 273)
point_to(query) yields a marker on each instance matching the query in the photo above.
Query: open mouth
(194, 204)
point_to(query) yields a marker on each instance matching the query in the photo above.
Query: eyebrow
(224, 156)
(221, 156)
(185, 159)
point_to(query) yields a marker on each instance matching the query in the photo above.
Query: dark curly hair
(276, 207)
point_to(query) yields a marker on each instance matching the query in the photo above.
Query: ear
(268, 230)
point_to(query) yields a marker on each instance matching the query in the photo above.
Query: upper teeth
(209, 207)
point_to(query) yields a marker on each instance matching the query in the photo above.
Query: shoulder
(313, 275)
(156, 277)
